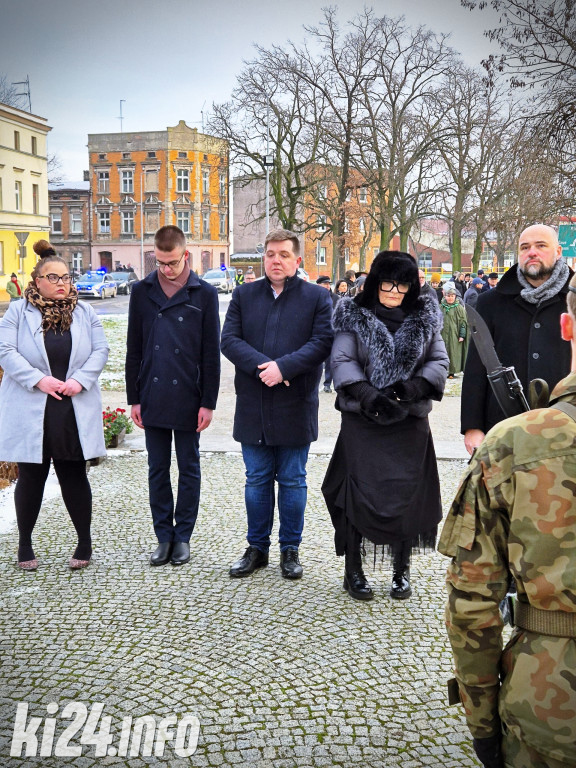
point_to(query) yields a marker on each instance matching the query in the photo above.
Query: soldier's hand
(472, 439)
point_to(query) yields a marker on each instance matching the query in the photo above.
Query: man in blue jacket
(172, 380)
(277, 333)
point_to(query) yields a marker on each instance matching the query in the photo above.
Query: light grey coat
(24, 360)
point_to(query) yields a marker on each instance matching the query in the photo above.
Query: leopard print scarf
(56, 313)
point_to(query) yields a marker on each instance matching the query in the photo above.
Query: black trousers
(76, 493)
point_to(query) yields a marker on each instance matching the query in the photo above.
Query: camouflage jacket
(515, 515)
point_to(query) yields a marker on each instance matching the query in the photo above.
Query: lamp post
(142, 224)
(268, 163)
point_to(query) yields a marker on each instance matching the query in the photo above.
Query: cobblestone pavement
(280, 674)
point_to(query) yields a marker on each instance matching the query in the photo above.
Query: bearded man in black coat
(523, 315)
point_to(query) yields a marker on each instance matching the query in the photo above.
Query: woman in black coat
(388, 362)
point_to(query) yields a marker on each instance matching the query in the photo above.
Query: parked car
(303, 275)
(97, 284)
(221, 279)
(124, 281)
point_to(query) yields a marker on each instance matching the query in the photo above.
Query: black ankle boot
(401, 589)
(355, 582)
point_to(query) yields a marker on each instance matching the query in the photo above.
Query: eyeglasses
(52, 278)
(171, 264)
(387, 285)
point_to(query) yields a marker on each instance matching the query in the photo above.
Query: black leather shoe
(161, 554)
(401, 588)
(357, 587)
(289, 564)
(180, 553)
(252, 559)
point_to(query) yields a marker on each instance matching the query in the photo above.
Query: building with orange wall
(142, 181)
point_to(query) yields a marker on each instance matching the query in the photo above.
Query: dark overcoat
(173, 354)
(526, 336)
(294, 330)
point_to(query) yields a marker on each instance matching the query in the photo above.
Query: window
(348, 195)
(75, 222)
(205, 181)
(222, 225)
(151, 154)
(152, 221)
(104, 182)
(347, 255)
(151, 181)
(362, 195)
(18, 195)
(34, 143)
(127, 178)
(104, 222)
(127, 222)
(35, 198)
(17, 140)
(323, 192)
(182, 180)
(56, 222)
(77, 261)
(183, 220)
(321, 255)
(101, 157)
(126, 155)
(362, 226)
(182, 155)
(222, 182)
(346, 224)
(321, 226)
(206, 224)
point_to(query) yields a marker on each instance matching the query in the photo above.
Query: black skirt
(384, 480)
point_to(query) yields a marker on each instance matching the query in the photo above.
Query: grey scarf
(548, 289)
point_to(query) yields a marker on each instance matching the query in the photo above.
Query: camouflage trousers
(518, 755)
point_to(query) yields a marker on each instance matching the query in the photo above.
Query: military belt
(554, 623)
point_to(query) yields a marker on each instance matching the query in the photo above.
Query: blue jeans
(173, 523)
(265, 464)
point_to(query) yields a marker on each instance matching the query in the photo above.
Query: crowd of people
(389, 341)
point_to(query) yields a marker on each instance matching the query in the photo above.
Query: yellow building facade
(23, 192)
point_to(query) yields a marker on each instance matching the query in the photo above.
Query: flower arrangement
(114, 422)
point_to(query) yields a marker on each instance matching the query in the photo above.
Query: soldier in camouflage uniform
(514, 516)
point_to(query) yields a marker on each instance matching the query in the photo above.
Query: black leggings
(77, 496)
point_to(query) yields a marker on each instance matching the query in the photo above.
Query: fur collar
(390, 358)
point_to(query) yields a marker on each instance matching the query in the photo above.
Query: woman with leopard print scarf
(52, 350)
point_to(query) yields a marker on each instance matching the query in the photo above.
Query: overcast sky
(168, 60)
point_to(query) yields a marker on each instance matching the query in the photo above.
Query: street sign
(567, 239)
(22, 237)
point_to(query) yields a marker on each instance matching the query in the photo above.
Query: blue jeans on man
(287, 466)
(173, 523)
(265, 465)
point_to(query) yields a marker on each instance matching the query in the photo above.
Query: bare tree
(402, 124)
(270, 95)
(538, 42)
(9, 93)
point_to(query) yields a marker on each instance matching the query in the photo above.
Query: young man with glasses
(172, 381)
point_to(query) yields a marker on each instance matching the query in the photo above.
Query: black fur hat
(391, 265)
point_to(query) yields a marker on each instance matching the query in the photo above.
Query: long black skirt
(384, 481)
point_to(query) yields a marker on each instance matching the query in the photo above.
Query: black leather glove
(489, 752)
(412, 390)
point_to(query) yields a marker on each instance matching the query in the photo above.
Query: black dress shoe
(356, 585)
(180, 553)
(289, 564)
(401, 588)
(252, 559)
(161, 554)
